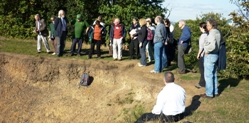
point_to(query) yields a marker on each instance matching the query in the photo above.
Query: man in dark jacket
(60, 26)
(134, 41)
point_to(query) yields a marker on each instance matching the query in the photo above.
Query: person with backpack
(142, 38)
(150, 36)
(80, 28)
(211, 50)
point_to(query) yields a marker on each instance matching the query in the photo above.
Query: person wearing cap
(80, 28)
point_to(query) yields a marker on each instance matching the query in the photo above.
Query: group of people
(158, 41)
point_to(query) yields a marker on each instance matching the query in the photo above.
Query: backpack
(150, 34)
(84, 80)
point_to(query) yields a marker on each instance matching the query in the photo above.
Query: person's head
(181, 23)
(97, 23)
(203, 27)
(100, 18)
(166, 22)
(134, 21)
(61, 14)
(211, 24)
(168, 77)
(158, 19)
(142, 22)
(149, 23)
(52, 18)
(78, 17)
(37, 17)
(116, 21)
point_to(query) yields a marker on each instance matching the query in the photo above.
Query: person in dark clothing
(170, 48)
(142, 38)
(200, 55)
(134, 40)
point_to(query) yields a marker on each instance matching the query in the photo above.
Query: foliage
(18, 20)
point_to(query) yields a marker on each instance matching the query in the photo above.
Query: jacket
(112, 32)
(42, 30)
(91, 31)
(58, 26)
(221, 63)
(142, 34)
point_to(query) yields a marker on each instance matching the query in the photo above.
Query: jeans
(149, 49)
(117, 48)
(92, 48)
(75, 40)
(180, 60)
(43, 38)
(210, 74)
(143, 60)
(159, 56)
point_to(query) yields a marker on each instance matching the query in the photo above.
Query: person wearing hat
(79, 28)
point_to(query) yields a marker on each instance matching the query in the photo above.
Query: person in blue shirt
(183, 44)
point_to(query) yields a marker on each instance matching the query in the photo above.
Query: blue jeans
(160, 57)
(142, 50)
(210, 74)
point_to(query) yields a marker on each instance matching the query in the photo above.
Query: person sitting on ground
(170, 104)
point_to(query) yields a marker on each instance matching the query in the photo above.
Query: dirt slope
(43, 89)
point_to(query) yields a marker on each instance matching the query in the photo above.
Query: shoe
(216, 95)
(38, 52)
(48, 52)
(78, 54)
(140, 65)
(71, 54)
(153, 71)
(119, 59)
(114, 59)
(198, 86)
(181, 72)
(54, 54)
(205, 96)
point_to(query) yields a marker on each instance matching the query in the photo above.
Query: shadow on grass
(193, 106)
(227, 83)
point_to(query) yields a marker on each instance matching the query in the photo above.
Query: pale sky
(190, 9)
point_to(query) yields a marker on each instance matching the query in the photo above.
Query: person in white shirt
(170, 104)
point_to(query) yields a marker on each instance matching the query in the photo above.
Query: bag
(150, 34)
(84, 80)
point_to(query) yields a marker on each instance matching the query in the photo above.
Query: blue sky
(190, 9)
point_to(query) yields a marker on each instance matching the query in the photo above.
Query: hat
(78, 16)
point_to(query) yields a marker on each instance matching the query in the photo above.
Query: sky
(190, 9)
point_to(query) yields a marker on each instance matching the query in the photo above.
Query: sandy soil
(45, 89)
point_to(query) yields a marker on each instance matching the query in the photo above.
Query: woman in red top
(95, 33)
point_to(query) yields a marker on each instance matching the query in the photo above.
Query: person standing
(41, 30)
(60, 26)
(142, 39)
(159, 46)
(79, 30)
(183, 43)
(200, 55)
(170, 48)
(211, 49)
(170, 104)
(52, 34)
(134, 40)
(95, 33)
(100, 19)
(117, 34)
(149, 46)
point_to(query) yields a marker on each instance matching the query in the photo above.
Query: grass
(230, 107)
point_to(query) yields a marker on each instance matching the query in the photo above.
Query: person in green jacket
(52, 34)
